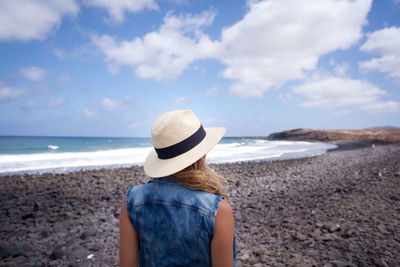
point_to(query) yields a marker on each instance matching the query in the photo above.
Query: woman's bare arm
(222, 241)
(128, 240)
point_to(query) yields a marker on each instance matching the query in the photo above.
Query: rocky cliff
(370, 135)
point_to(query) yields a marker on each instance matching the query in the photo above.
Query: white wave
(43, 161)
(263, 149)
(52, 147)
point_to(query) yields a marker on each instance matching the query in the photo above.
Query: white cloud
(25, 20)
(109, 104)
(12, 92)
(382, 107)
(162, 54)
(212, 91)
(89, 114)
(386, 44)
(279, 40)
(117, 8)
(329, 92)
(341, 69)
(276, 41)
(33, 73)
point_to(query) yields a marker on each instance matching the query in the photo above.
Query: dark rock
(44, 234)
(380, 263)
(57, 254)
(272, 188)
(327, 237)
(5, 250)
(27, 216)
(36, 207)
(22, 249)
(19, 261)
(96, 247)
(6, 227)
(83, 236)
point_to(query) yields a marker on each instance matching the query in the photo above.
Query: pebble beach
(341, 208)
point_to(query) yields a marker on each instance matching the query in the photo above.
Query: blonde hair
(199, 176)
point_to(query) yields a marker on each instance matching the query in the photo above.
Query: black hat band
(183, 146)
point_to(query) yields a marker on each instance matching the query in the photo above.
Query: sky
(110, 68)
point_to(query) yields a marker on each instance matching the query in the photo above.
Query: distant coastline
(380, 135)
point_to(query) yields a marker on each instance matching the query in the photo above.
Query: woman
(181, 217)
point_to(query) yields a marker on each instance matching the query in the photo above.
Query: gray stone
(316, 233)
(7, 250)
(301, 237)
(334, 227)
(382, 229)
(77, 254)
(337, 263)
(245, 256)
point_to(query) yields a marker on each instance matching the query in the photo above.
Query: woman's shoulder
(225, 208)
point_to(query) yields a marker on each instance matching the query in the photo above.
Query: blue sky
(110, 68)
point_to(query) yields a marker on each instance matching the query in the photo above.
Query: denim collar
(166, 180)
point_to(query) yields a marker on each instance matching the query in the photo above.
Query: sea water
(20, 155)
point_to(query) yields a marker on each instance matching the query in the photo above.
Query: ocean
(20, 154)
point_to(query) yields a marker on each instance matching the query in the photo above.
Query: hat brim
(155, 167)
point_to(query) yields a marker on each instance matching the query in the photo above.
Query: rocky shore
(390, 135)
(338, 209)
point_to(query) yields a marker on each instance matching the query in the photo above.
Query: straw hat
(179, 140)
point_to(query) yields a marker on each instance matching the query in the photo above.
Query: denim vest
(175, 224)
